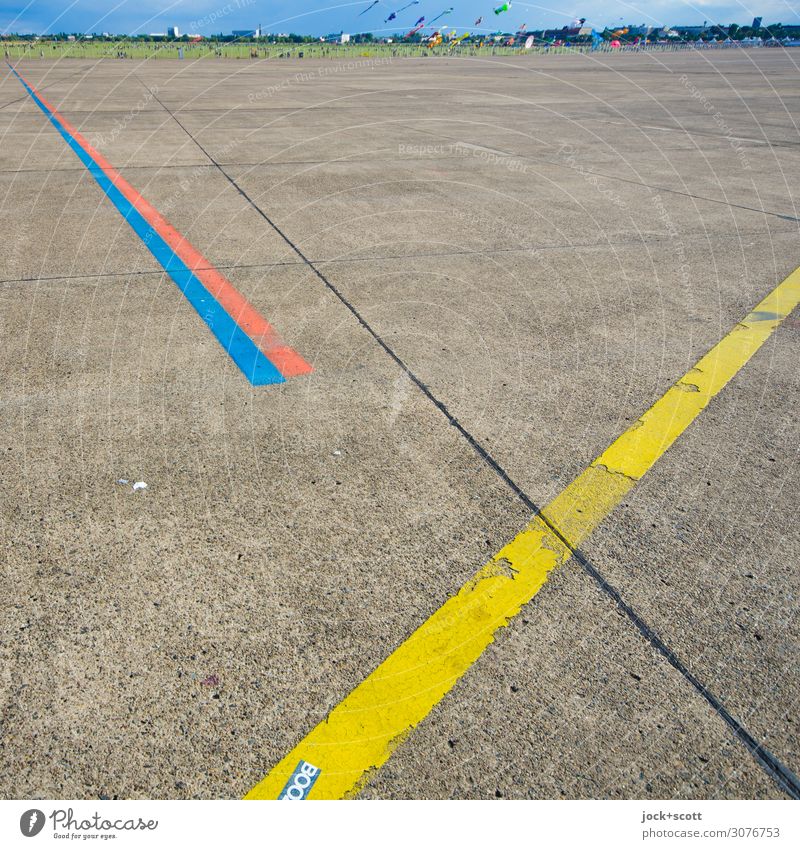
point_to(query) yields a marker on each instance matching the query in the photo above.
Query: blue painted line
(300, 783)
(255, 366)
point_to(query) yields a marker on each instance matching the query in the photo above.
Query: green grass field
(211, 50)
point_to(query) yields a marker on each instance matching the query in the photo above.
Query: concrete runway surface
(494, 268)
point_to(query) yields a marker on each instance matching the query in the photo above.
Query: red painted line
(288, 362)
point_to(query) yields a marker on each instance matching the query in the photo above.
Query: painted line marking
(300, 782)
(251, 342)
(360, 734)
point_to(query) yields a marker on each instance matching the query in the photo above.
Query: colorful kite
(420, 21)
(504, 8)
(446, 12)
(411, 33)
(372, 5)
(523, 28)
(529, 42)
(395, 14)
(478, 22)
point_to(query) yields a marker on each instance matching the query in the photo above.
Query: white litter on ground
(139, 485)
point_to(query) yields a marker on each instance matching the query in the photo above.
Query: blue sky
(308, 16)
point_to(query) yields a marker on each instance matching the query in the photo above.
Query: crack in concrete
(616, 472)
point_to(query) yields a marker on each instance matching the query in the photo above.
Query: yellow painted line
(360, 734)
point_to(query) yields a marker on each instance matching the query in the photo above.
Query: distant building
(247, 33)
(173, 32)
(695, 31)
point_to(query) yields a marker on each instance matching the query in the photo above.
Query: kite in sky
(395, 14)
(478, 22)
(368, 8)
(446, 12)
(523, 27)
(414, 31)
(420, 21)
(502, 8)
